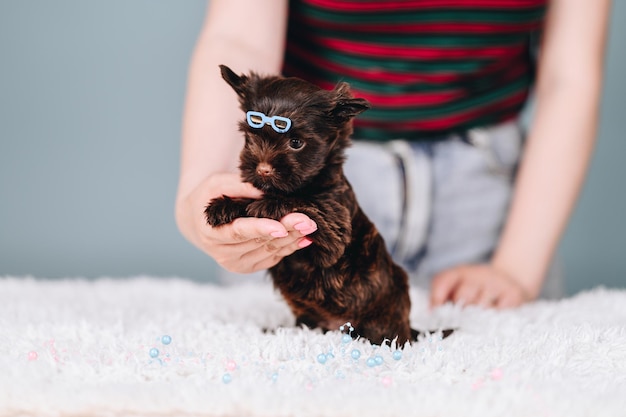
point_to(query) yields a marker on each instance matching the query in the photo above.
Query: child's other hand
(479, 284)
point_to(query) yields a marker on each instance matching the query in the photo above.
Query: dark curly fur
(347, 273)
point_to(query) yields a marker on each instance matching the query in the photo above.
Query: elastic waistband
(464, 135)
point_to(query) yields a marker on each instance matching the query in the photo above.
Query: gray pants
(439, 203)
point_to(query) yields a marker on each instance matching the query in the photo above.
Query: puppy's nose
(264, 169)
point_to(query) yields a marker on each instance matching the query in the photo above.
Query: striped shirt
(428, 67)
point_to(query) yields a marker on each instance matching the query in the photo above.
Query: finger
(250, 244)
(279, 248)
(257, 231)
(231, 185)
(466, 293)
(286, 246)
(245, 229)
(300, 222)
(297, 244)
(269, 254)
(261, 253)
(487, 298)
(273, 258)
(443, 286)
(509, 300)
(247, 257)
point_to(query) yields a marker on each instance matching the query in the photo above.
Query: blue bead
(154, 352)
(166, 340)
(378, 359)
(346, 339)
(321, 358)
(274, 377)
(356, 354)
(371, 362)
(397, 355)
(227, 378)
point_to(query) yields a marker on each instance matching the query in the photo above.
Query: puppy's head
(291, 128)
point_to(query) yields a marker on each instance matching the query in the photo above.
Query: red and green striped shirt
(428, 67)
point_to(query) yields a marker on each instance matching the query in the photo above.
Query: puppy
(295, 137)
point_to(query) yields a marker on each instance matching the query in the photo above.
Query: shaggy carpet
(157, 347)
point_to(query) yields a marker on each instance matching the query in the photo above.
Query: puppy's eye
(281, 124)
(296, 143)
(256, 119)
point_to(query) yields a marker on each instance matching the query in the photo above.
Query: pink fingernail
(304, 242)
(301, 226)
(279, 233)
(305, 227)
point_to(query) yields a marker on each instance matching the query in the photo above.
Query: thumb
(229, 184)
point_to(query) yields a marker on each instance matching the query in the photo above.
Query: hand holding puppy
(247, 244)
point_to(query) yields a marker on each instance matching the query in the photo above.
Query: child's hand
(247, 244)
(479, 284)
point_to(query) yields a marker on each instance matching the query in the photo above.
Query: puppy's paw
(268, 208)
(223, 210)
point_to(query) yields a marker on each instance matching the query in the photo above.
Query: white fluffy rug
(80, 348)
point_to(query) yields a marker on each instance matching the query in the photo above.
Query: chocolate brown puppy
(295, 137)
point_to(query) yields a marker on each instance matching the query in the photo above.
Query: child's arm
(246, 35)
(555, 161)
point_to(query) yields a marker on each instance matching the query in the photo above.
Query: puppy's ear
(238, 83)
(347, 106)
(347, 109)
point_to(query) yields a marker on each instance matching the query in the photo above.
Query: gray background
(91, 96)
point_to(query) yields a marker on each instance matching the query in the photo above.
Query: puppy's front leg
(334, 231)
(334, 228)
(270, 208)
(329, 241)
(224, 209)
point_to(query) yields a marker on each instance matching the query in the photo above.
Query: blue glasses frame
(257, 120)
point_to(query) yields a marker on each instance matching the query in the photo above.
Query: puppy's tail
(417, 334)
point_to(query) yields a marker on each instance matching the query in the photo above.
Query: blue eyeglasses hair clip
(257, 120)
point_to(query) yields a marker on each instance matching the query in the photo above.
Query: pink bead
(32, 356)
(477, 384)
(387, 381)
(496, 374)
(231, 365)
